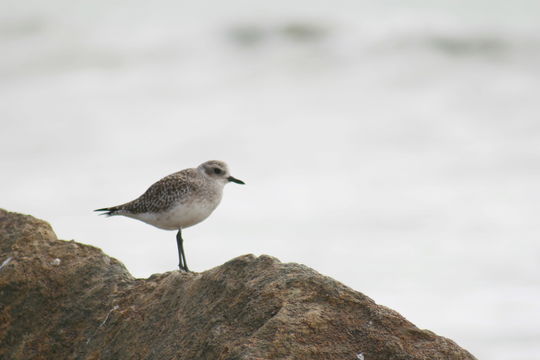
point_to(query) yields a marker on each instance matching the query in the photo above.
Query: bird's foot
(183, 268)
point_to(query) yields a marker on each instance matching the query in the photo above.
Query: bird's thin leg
(181, 255)
(184, 258)
(180, 244)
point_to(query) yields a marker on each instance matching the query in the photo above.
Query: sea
(391, 145)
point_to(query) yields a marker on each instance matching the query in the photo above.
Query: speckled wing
(164, 194)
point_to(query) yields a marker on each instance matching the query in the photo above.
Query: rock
(65, 300)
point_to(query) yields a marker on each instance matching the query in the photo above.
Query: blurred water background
(392, 145)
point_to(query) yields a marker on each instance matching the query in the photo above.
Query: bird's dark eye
(217, 171)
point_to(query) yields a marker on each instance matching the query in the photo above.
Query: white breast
(180, 216)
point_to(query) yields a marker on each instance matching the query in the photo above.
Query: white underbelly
(178, 217)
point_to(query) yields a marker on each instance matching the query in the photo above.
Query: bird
(179, 200)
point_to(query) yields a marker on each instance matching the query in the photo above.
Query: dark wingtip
(106, 211)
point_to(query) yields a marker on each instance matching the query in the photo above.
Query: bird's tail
(110, 211)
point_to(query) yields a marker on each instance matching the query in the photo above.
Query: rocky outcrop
(65, 300)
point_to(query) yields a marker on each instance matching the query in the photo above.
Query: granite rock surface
(66, 300)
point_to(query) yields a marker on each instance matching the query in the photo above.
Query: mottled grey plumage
(179, 187)
(179, 200)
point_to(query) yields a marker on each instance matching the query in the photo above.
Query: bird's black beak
(230, 178)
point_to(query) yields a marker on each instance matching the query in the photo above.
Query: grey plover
(179, 200)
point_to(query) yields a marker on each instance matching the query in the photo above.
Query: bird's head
(217, 170)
